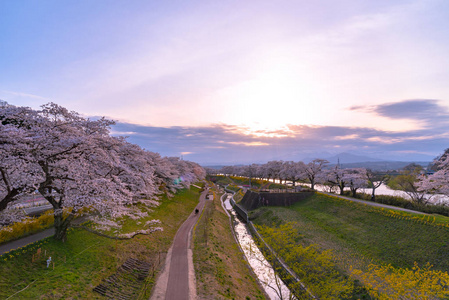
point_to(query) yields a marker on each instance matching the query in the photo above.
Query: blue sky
(240, 81)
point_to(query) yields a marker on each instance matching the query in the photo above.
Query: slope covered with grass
(221, 272)
(82, 262)
(364, 238)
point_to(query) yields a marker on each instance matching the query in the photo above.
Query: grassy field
(360, 236)
(221, 272)
(82, 262)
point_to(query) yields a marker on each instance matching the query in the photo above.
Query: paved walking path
(177, 280)
(26, 240)
(33, 238)
(375, 203)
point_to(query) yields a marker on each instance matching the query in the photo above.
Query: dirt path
(177, 280)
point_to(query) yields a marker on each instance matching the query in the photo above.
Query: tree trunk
(8, 198)
(61, 225)
(341, 187)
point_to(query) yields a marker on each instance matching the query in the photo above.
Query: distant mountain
(344, 158)
(347, 158)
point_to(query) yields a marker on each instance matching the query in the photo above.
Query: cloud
(429, 113)
(230, 144)
(250, 143)
(418, 109)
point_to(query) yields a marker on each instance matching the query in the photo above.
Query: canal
(272, 284)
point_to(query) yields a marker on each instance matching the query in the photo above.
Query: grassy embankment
(86, 259)
(360, 235)
(221, 272)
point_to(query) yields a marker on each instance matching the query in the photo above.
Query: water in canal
(271, 283)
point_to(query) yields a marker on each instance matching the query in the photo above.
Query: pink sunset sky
(240, 81)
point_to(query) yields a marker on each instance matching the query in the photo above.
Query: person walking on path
(177, 280)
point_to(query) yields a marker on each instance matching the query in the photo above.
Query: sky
(236, 82)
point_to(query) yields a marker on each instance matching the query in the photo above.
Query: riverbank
(221, 272)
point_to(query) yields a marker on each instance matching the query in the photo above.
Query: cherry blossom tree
(335, 176)
(17, 175)
(272, 169)
(355, 177)
(250, 171)
(189, 172)
(74, 163)
(292, 171)
(375, 180)
(211, 171)
(313, 169)
(440, 162)
(166, 173)
(439, 181)
(82, 166)
(409, 182)
(228, 170)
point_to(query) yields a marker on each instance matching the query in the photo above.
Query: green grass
(233, 188)
(359, 234)
(255, 183)
(85, 259)
(220, 179)
(221, 272)
(364, 238)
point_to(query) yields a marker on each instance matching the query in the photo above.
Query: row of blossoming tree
(315, 172)
(74, 163)
(412, 180)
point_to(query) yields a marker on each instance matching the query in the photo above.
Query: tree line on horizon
(412, 179)
(75, 164)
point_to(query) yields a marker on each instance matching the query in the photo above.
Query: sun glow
(277, 96)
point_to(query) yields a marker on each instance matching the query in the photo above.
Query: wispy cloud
(27, 98)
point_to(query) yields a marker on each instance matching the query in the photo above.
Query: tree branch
(114, 237)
